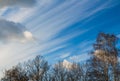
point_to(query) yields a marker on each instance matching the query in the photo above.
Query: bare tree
(104, 58)
(72, 73)
(16, 73)
(37, 69)
(102, 66)
(76, 72)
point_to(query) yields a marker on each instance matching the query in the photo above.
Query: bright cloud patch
(10, 31)
(21, 3)
(28, 35)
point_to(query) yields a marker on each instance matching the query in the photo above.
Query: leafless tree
(16, 73)
(72, 73)
(104, 59)
(102, 66)
(37, 69)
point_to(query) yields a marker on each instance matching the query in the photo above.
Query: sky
(55, 29)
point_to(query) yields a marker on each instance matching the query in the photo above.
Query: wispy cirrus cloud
(80, 58)
(48, 21)
(63, 56)
(9, 7)
(45, 25)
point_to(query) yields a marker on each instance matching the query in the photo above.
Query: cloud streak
(80, 58)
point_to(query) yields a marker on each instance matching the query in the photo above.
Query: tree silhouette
(102, 66)
(104, 58)
(37, 68)
(15, 74)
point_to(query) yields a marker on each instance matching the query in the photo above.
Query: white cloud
(25, 9)
(65, 55)
(66, 64)
(55, 48)
(13, 32)
(79, 58)
(20, 15)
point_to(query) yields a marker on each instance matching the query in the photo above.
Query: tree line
(103, 65)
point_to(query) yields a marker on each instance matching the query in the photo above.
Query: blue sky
(56, 29)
